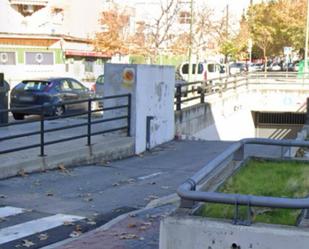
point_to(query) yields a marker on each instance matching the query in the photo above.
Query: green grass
(265, 178)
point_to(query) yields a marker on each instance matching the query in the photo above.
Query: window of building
(7, 58)
(89, 66)
(184, 17)
(39, 58)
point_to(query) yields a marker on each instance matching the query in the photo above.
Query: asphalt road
(98, 192)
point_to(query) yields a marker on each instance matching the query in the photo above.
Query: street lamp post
(307, 38)
(191, 40)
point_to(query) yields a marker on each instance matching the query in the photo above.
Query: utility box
(4, 100)
(152, 89)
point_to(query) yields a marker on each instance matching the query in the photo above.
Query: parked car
(202, 71)
(237, 68)
(275, 67)
(99, 86)
(296, 66)
(56, 91)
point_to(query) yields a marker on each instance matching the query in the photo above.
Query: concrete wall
(193, 119)
(229, 116)
(152, 89)
(183, 232)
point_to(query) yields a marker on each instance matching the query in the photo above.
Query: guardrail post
(89, 123)
(178, 98)
(42, 128)
(129, 116)
(202, 94)
(235, 82)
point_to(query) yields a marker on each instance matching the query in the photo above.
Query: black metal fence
(195, 92)
(125, 115)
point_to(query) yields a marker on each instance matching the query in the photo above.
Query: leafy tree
(113, 39)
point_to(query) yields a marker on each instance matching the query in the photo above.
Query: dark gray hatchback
(30, 94)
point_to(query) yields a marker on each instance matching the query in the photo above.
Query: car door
(82, 92)
(68, 95)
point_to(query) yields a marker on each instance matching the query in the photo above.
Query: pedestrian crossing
(18, 225)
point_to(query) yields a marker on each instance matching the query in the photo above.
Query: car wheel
(18, 116)
(59, 110)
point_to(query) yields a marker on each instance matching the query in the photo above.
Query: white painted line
(35, 226)
(149, 176)
(8, 211)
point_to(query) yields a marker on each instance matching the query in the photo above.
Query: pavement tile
(140, 231)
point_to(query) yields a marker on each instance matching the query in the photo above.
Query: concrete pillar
(152, 88)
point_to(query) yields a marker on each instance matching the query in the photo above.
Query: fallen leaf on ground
(142, 228)
(22, 173)
(75, 234)
(68, 223)
(43, 236)
(131, 180)
(165, 187)
(91, 222)
(63, 169)
(27, 243)
(78, 228)
(128, 236)
(2, 219)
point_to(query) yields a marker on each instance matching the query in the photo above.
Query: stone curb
(173, 198)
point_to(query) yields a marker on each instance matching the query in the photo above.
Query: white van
(204, 71)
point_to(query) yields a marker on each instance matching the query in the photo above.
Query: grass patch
(264, 178)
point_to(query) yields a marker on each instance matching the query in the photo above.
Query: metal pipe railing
(187, 190)
(89, 123)
(227, 83)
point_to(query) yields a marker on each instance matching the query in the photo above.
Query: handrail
(41, 110)
(187, 191)
(233, 82)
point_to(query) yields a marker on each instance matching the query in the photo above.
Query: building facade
(43, 38)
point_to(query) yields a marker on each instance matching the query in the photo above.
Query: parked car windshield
(37, 86)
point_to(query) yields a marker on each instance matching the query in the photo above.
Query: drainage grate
(280, 118)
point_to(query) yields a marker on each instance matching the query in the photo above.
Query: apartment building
(42, 38)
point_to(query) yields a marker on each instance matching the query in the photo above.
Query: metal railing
(42, 131)
(190, 195)
(195, 92)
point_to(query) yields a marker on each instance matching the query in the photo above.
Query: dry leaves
(49, 194)
(75, 234)
(68, 223)
(43, 236)
(22, 173)
(128, 236)
(63, 169)
(27, 243)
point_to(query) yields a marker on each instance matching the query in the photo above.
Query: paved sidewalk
(137, 230)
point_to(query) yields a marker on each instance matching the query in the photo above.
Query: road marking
(35, 226)
(149, 176)
(8, 211)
